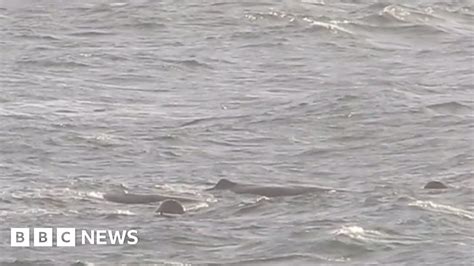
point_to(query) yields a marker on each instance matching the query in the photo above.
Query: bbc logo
(66, 237)
(43, 237)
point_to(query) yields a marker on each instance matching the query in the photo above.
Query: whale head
(170, 207)
(223, 184)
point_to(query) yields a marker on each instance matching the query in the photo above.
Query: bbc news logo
(66, 237)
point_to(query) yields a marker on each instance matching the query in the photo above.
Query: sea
(373, 98)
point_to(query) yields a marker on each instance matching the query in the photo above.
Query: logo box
(20, 237)
(43, 237)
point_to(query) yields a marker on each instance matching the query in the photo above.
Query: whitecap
(195, 207)
(367, 235)
(357, 232)
(446, 209)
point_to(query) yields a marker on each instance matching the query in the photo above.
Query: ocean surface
(372, 97)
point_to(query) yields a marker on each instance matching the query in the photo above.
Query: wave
(208, 120)
(196, 206)
(334, 26)
(369, 236)
(288, 19)
(356, 232)
(444, 209)
(57, 62)
(186, 190)
(381, 25)
(297, 259)
(190, 63)
(114, 214)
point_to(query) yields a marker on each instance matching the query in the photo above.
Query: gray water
(373, 97)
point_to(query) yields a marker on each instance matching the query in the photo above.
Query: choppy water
(374, 97)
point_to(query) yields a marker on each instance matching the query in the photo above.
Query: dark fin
(170, 207)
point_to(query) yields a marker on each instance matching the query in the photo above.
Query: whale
(267, 191)
(170, 206)
(131, 198)
(435, 185)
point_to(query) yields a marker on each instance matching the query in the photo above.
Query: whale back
(223, 184)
